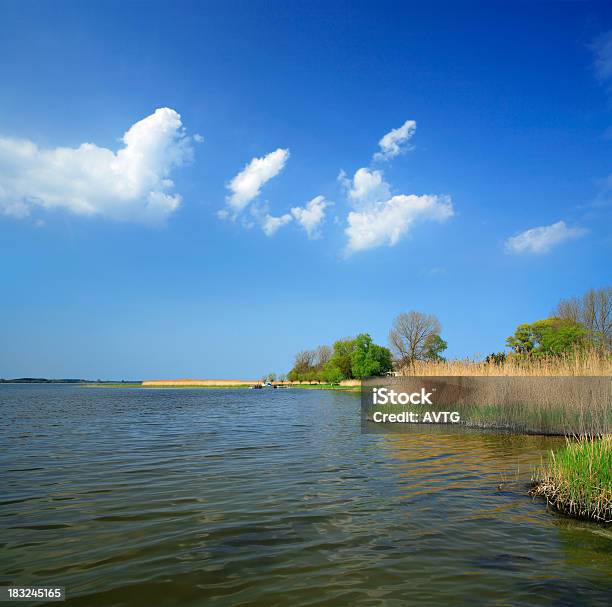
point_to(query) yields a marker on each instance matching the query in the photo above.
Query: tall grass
(532, 405)
(577, 363)
(577, 480)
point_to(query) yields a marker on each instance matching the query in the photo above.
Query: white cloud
(381, 219)
(542, 239)
(386, 222)
(247, 184)
(271, 224)
(395, 141)
(603, 56)
(311, 217)
(130, 184)
(366, 187)
(16, 209)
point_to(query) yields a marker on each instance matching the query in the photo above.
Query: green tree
(311, 376)
(349, 358)
(434, 346)
(331, 374)
(548, 337)
(341, 356)
(556, 335)
(523, 341)
(368, 359)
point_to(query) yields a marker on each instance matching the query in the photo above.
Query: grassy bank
(577, 480)
(325, 387)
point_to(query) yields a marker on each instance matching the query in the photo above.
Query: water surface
(132, 497)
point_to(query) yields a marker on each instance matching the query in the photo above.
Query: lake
(132, 497)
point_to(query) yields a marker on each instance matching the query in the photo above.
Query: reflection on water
(192, 497)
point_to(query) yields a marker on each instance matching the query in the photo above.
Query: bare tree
(321, 356)
(409, 334)
(304, 360)
(569, 309)
(594, 311)
(598, 313)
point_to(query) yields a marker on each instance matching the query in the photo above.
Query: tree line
(414, 336)
(350, 358)
(576, 323)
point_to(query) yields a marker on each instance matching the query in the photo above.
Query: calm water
(195, 497)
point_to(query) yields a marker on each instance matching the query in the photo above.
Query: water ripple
(259, 498)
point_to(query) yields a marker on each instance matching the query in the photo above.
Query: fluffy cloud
(247, 184)
(381, 219)
(271, 224)
(395, 141)
(130, 184)
(542, 239)
(386, 222)
(311, 217)
(367, 186)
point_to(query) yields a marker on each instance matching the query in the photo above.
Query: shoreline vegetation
(587, 362)
(576, 363)
(577, 479)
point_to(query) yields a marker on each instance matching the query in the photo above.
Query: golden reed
(578, 363)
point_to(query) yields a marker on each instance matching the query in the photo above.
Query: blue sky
(152, 254)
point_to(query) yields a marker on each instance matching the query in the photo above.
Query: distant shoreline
(212, 384)
(217, 384)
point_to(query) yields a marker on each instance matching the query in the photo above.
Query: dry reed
(579, 363)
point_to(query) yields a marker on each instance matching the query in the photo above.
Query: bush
(551, 336)
(496, 358)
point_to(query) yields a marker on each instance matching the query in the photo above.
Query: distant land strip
(152, 383)
(199, 382)
(177, 383)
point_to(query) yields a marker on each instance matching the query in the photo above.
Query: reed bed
(579, 363)
(577, 480)
(553, 405)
